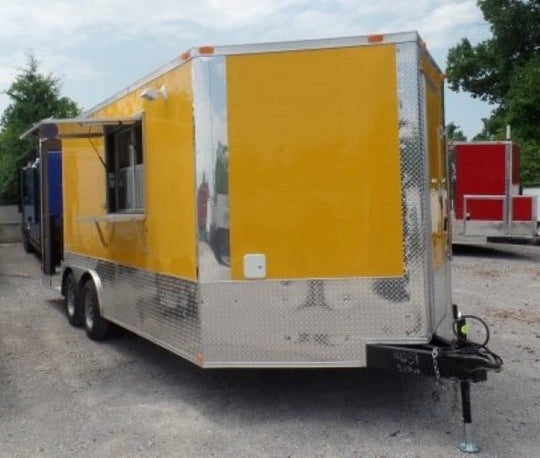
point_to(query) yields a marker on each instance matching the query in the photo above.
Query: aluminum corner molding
(211, 168)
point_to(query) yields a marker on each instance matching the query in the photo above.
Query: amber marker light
(206, 50)
(376, 38)
(185, 55)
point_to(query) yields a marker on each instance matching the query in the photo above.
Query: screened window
(124, 162)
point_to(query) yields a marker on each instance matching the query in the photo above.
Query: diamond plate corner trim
(161, 308)
(422, 102)
(414, 179)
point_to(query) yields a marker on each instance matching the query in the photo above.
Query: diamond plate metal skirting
(159, 307)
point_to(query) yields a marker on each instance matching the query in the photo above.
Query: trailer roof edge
(298, 45)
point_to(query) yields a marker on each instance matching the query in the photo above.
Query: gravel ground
(64, 395)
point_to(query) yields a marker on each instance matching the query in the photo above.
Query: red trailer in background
(486, 194)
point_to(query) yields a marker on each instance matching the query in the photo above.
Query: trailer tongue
(459, 360)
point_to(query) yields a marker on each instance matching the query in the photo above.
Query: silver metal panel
(162, 308)
(458, 239)
(131, 187)
(212, 168)
(442, 294)
(508, 185)
(535, 215)
(304, 322)
(487, 142)
(523, 229)
(491, 229)
(483, 228)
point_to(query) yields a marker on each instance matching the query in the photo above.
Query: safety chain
(435, 355)
(439, 385)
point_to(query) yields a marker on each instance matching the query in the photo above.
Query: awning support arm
(97, 153)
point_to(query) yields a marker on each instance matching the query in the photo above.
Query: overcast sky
(99, 47)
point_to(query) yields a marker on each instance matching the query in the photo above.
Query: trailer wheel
(74, 310)
(96, 326)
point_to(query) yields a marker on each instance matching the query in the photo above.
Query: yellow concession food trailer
(264, 205)
(270, 205)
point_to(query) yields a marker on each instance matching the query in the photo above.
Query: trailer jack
(459, 360)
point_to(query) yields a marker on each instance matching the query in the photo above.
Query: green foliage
(530, 164)
(34, 96)
(8, 178)
(505, 70)
(486, 70)
(523, 99)
(454, 133)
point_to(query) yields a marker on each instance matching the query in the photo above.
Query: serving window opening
(124, 167)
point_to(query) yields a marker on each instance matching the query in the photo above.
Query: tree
(34, 96)
(454, 133)
(505, 70)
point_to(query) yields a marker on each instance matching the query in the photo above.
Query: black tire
(74, 311)
(96, 326)
(26, 245)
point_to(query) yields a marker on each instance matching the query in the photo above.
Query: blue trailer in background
(40, 191)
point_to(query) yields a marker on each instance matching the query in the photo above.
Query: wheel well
(85, 277)
(92, 277)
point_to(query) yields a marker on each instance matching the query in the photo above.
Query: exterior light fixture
(151, 94)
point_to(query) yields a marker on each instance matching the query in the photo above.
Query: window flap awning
(76, 127)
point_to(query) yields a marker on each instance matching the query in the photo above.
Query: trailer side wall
(163, 240)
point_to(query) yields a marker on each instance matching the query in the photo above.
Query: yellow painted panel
(437, 160)
(165, 240)
(314, 164)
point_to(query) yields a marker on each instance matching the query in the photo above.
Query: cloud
(65, 24)
(60, 65)
(113, 42)
(440, 25)
(65, 66)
